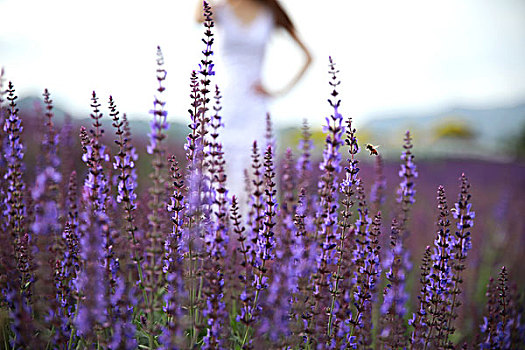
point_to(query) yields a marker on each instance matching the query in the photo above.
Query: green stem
(332, 304)
(245, 338)
(141, 284)
(199, 295)
(336, 288)
(150, 340)
(192, 295)
(73, 331)
(4, 336)
(49, 341)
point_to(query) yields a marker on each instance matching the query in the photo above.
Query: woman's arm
(199, 13)
(305, 66)
(263, 91)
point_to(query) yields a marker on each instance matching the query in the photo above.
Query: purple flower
(366, 266)
(124, 329)
(327, 216)
(419, 319)
(406, 192)
(98, 278)
(207, 70)
(50, 141)
(124, 162)
(393, 308)
(49, 253)
(438, 279)
(461, 244)
(92, 310)
(216, 240)
(158, 126)
(153, 279)
(14, 206)
(304, 163)
(22, 325)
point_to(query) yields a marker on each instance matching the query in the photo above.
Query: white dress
(244, 111)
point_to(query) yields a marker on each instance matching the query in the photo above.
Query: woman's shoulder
(218, 5)
(217, 8)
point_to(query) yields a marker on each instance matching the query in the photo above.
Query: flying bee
(372, 149)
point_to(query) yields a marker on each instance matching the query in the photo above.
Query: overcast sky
(403, 55)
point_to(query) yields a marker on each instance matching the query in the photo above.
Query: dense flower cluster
(185, 265)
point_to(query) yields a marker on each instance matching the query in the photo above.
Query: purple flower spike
(217, 244)
(461, 244)
(14, 206)
(419, 319)
(124, 162)
(51, 137)
(98, 278)
(158, 124)
(395, 296)
(327, 216)
(264, 247)
(50, 249)
(436, 282)
(174, 265)
(406, 192)
(502, 326)
(366, 267)
(153, 278)
(304, 163)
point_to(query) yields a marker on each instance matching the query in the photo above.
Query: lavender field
(110, 243)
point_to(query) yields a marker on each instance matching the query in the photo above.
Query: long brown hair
(281, 17)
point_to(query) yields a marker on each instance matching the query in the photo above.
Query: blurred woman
(245, 28)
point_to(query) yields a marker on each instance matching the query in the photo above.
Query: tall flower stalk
(440, 275)
(265, 245)
(419, 319)
(124, 163)
(95, 277)
(71, 263)
(247, 275)
(304, 162)
(218, 239)
(174, 264)
(366, 268)
(339, 313)
(121, 298)
(153, 277)
(3, 115)
(284, 269)
(201, 158)
(397, 261)
(47, 229)
(406, 191)
(395, 295)
(17, 258)
(193, 234)
(326, 231)
(256, 214)
(502, 326)
(461, 244)
(14, 202)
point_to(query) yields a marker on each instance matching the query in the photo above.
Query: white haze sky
(403, 55)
